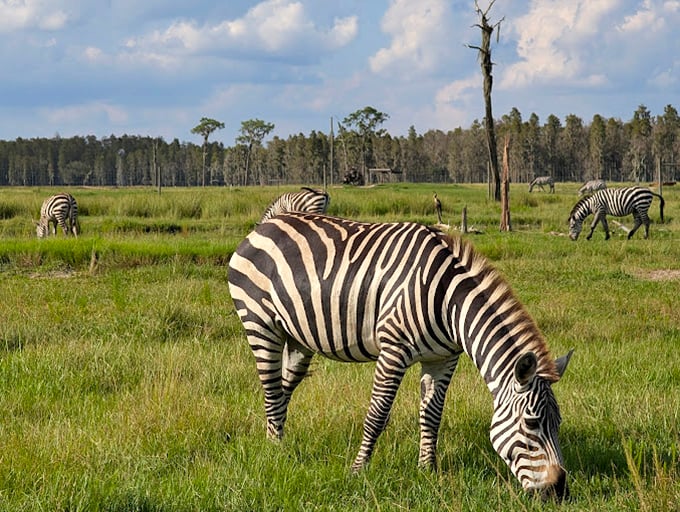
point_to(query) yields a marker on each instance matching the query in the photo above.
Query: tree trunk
(487, 68)
(505, 189)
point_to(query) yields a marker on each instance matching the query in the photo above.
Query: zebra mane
(531, 339)
(579, 204)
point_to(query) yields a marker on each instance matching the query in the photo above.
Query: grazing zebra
(592, 186)
(307, 200)
(617, 202)
(398, 294)
(543, 180)
(59, 209)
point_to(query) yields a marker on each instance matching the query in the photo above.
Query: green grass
(126, 383)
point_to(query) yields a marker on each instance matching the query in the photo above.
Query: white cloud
(421, 37)
(271, 28)
(553, 42)
(23, 14)
(84, 114)
(645, 19)
(667, 78)
(93, 54)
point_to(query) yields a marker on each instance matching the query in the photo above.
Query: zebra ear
(562, 362)
(525, 368)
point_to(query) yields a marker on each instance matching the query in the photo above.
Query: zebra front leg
(389, 372)
(434, 381)
(594, 225)
(605, 226)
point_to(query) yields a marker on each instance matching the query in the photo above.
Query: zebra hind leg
(434, 381)
(389, 372)
(295, 365)
(638, 222)
(268, 351)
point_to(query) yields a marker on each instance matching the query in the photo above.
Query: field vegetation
(126, 383)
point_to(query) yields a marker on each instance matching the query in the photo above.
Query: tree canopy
(571, 149)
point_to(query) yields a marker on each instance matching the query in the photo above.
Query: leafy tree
(551, 137)
(640, 149)
(616, 144)
(204, 128)
(252, 133)
(366, 122)
(533, 151)
(596, 145)
(666, 137)
(574, 148)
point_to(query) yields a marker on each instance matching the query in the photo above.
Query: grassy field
(126, 383)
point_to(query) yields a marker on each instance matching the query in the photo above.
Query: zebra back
(592, 186)
(306, 200)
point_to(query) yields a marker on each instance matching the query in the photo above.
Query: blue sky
(155, 67)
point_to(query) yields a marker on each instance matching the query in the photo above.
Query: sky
(156, 67)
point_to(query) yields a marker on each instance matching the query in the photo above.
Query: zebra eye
(532, 423)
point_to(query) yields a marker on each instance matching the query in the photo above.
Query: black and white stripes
(592, 186)
(617, 202)
(397, 294)
(59, 209)
(541, 181)
(306, 200)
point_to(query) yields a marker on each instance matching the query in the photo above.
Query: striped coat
(541, 181)
(397, 294)
(60, 209)
(306, 200)
(592, 186)
(617, 202)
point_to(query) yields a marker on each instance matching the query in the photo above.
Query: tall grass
(126, 383)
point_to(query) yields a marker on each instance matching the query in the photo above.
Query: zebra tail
(661, 204)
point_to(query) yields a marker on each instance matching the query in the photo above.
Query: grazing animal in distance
(617, 202)
(60, 209)
(398, 294)
(438, 208)
(592, 186)
(306, 200)
(541, 181)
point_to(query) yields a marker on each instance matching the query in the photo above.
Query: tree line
(357, 146)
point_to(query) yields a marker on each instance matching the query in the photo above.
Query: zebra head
(578, 214)
(575, 227)
(525, 425)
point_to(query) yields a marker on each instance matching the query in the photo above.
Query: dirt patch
(59, 274)
(659, 275)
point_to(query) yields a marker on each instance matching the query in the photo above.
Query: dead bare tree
(487, 68)
(506, 225)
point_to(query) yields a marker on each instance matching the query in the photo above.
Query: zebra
(543, 180)
(398, 294)
(59, 209)
(592, 186)
(306, 200)
(617, 202)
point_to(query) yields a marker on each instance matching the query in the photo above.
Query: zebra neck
(496, 336)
